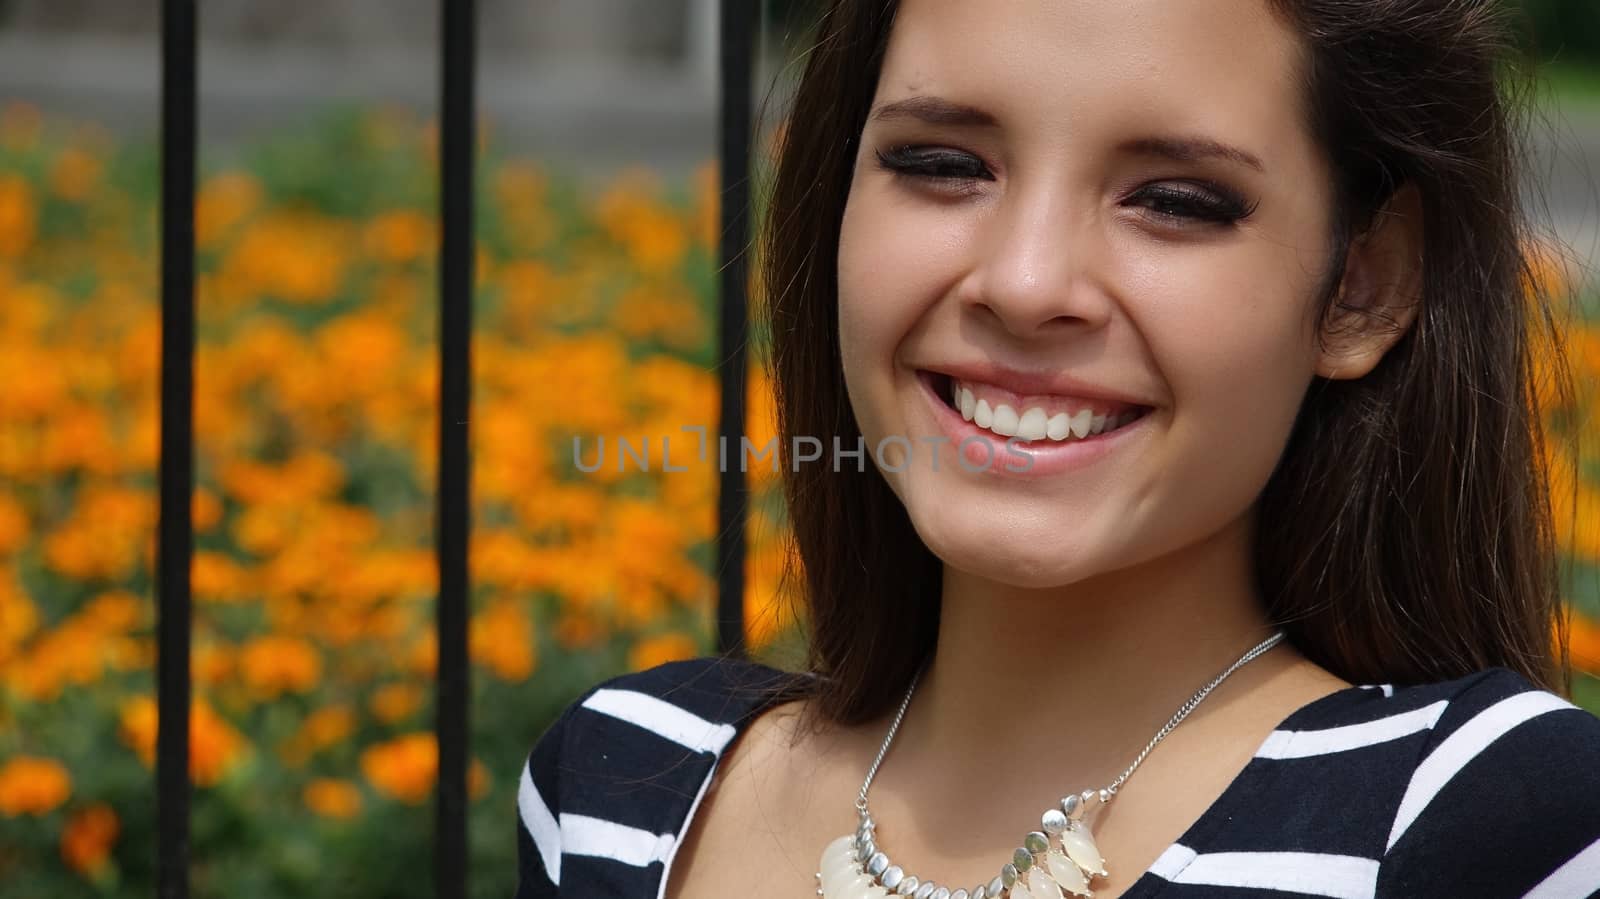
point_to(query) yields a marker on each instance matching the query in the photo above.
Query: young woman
(1200, 545)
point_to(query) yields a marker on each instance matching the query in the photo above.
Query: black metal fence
(457, 146)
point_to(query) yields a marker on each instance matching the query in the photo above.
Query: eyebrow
(935, 111)
(1186, 148)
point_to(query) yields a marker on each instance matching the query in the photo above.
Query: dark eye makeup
(961, 174)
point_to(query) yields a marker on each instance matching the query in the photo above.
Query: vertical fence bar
(457, 143)
(737, 26)
(175, 530)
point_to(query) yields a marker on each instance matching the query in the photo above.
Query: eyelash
(1225, 208)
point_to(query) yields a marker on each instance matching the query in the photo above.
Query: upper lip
(1034, 383)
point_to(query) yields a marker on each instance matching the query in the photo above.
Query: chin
(1005, 557)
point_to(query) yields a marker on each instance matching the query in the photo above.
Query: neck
(1066, 685)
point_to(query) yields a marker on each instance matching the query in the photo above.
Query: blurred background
(312, 750)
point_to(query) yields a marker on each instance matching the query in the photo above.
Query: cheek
(866, 311)
(1228, 329)
(1235, 355)
(886, 279)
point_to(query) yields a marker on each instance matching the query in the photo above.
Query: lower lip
(991, 454)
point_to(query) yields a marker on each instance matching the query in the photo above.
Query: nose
(1032, 268)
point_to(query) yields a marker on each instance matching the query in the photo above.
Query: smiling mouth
(943, 387)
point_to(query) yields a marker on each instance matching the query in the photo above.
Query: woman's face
(1118, 208)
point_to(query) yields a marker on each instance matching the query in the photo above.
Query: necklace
(853, 867)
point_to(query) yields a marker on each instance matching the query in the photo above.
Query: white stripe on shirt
(1460, 748)
(662, 717)
(583, 835)
(1293, 744)
(1311, 873)
(541, 825)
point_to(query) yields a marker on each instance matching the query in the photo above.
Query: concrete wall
(656, 30)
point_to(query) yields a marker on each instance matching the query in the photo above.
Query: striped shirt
(1482, 786)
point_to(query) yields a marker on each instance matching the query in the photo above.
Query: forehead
(1071, 68)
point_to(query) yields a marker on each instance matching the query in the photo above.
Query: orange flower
(114, 611)
(653, 236)
(298, 257)
(18, 616)
(87, 839)
(403, 235)
(274, 665)
(103, 535)
(1549, 269)
(13, 525)
(333, 798)
(392, 703)
(502, 640)
(17, 215)
(767, 611)
(206, 510)
(214, 746)
(223, 201)
(33, 786)
(1584, 643)
(662, 648)
(423, 657)
(404, 768)
(211, 663)
(579, 629)
(75, 174)
(321, 729)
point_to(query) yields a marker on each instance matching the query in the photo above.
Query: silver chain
(1111, 790)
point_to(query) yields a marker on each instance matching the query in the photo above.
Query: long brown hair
(1410, 514)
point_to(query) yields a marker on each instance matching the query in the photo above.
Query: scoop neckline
(1148, 883)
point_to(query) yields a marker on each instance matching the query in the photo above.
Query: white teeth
(1005, 421)
(1034, 423)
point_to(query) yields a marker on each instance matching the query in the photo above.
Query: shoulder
(698, 704)
(626, 761)
(1504, 795)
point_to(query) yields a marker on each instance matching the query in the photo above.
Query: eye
(959, 171)
(1216, 205)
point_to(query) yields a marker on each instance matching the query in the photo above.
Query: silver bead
(1022, 859)
(940, 893)
(1105, 796)
(1054, 821)
(908, 886)
(996, 887)
(1036, 842)
(891, 878)
(877, 864)
(1073, 806)
(1008, 874)
(959, 894)
(866, 851)
(981, 893)
(924, 891)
